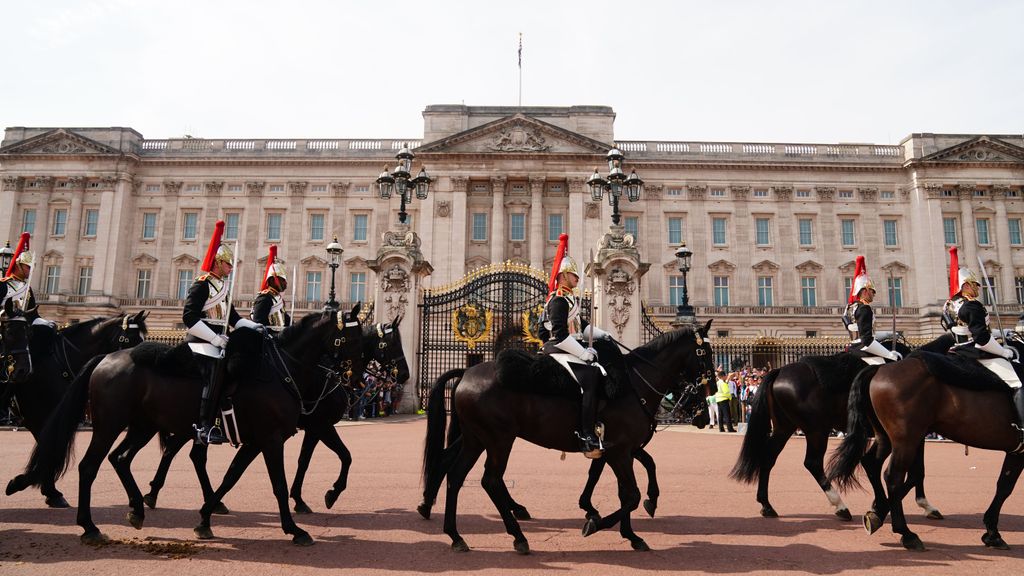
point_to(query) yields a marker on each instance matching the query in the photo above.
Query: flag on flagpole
(520, 50)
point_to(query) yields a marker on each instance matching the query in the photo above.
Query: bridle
(388, 365)
(119, 341)
(686, 390)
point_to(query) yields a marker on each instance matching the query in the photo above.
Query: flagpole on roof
(520, 69)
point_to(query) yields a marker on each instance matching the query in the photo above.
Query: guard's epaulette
(270, 291)
(202, 278)
(562, 292)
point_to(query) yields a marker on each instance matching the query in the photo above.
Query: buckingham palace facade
(119, 221)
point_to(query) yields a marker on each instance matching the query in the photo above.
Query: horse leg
(432, 484)
(896, 482)
(245, 455)
(776, 442)
(1012, 466)
(493, 482)
(629, 500)
(922, 500)
(872, 461)
(331, 439)
(466, 458)
(273, 457)
(814, 462)
(309, 441)
(172, 444)
(121, 459)
(593, 475)
(653, 491)
(88, 467)
(198, 455)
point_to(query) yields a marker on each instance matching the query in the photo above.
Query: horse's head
(131, 330)
(347, 352)
(15, 331)
(384, 345)
(685, 359)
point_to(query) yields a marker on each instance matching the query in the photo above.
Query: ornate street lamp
(334, 250)
(401, 182)
(5, 257)
(616, 184)
(684, 313)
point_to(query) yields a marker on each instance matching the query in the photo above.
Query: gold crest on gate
(471, 324)
(531, 324)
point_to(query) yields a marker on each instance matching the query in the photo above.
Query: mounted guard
(208, 314)
(968, 320)
(16, 286)
(268, 308)
(859, 319)
(565, 329)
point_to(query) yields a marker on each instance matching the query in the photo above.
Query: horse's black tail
(53, 454)
(434, 446)
(759, 430)
(842, 465)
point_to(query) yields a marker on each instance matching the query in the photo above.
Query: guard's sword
(991, 295)
(590, 306)
(892, 303)
(295, 278)
(231, 290)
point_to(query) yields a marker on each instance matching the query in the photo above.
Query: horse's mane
(940, 345)
(299, 330)
(654, 347)
(79, 328)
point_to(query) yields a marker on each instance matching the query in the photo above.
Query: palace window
(760, 192)
(231, 220)
(92, 220)
(60, 221)
(847, 288)
(142, 284)
(762, 231)
(845, 194)
(236, 188)
(314, 280)
(319, 188)
(889, 232)
(28, 221)
(675, 290)
(52, 279)
(149, 225)
(848, 232)
(674, 192)
(276, 188)
(718, 192)
(809, 291)
(806, 231)
(765, 293)
(632, 226)
(887, 194)
(479, 226)
(555, 228)
(675, 231)
(274, 226)
(190, 224)
(721, 291)
(316, 227)
(989, 289)
(193, 188)
(517, 227)
(359, 227)
(1015, 238)
(981, 224)
(184, 283)
(718, 237)
(152, 188)
(895, 286)
(357, 287)
(84, 280)
(803, 193)
(949, 231)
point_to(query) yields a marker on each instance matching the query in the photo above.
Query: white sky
(771, 70)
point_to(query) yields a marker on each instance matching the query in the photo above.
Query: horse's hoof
(302, 539)
(935, 515)
(522, 547)
(57, 502)
(17, 484)
(595, 516)
(912, 542)
(135, 520)
(996, 541)
(460, 545)
(301, 508)
(872, 522)
(424, 510)
(521, 513)
(150, 500)
(221, 509)
(844, 514)
(639, 545)
(650, 506)
(203, 532)
(330, 497)
(768, 512)
(589, 527)
(94, 538)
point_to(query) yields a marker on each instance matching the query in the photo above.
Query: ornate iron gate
(459, 322)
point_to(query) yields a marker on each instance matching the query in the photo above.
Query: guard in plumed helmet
(268, 308)
(859, 318)
(207, 314)
(966, 317)
(16, 287)
(565, 329)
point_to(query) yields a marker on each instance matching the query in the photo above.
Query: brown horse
(902, 402)
(492, 415)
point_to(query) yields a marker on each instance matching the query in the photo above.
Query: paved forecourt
(704, 523)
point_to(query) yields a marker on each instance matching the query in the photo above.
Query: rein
(684, 390)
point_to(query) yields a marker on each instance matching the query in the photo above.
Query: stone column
(1001, 230)
(537, 239)
(828, 238)
(788, 292)
(617, 270)
(114, 238)
(10, 228)
(497, 231)
(73, 235)
(457, 267)
(400, 269)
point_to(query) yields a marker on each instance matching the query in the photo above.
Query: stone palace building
(120, 221)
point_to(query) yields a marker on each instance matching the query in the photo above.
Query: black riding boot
(1018, 404)
(208, 432)
(590, 445)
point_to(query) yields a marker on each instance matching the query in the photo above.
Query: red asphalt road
(705, 522)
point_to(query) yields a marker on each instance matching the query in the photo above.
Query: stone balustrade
(746, 151)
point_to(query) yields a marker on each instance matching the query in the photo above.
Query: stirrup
(205, 436)
(1020, 443)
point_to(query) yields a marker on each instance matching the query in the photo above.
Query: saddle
(960, 370)
(171, 360)
(835, 372)
(541, 374)
(1001, 367)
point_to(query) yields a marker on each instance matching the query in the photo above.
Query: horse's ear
(396, 321)
(355, 310)
(143, 314)
(707, 327)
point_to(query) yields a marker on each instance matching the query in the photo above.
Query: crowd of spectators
(373, 397)
(730, 401)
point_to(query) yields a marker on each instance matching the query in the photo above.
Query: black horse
(150, 389)
(809, 394)
(15, 334)
(492, 415)
(898, 404)
(56, 359)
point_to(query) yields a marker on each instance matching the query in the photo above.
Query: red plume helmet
(211, 250)
(271, 258)
(22, 247)
(859, 269)
(954, 272)
(563, 245)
